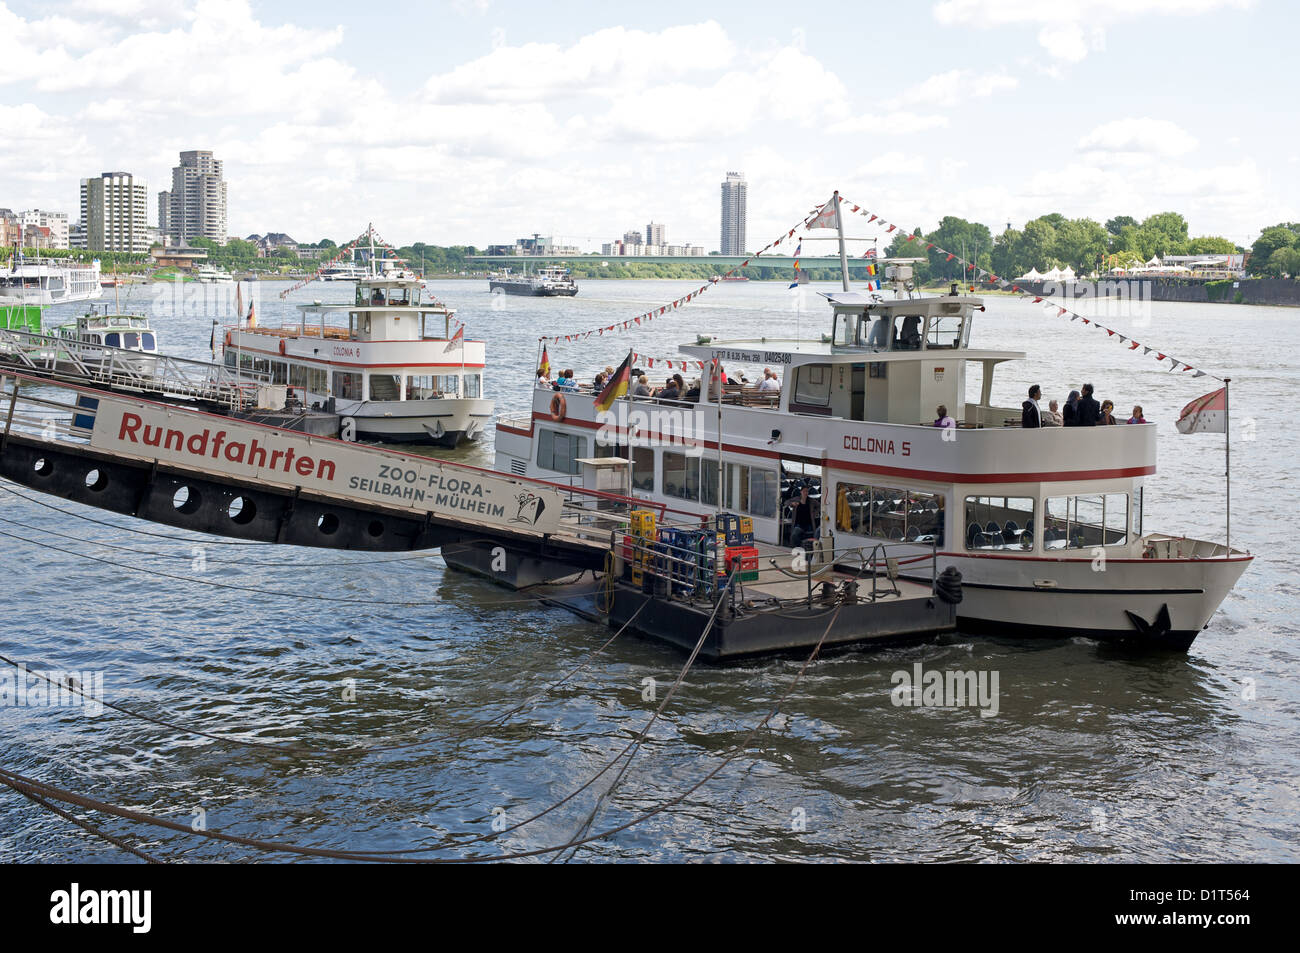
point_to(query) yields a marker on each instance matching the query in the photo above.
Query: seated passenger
(771, 383)
(1053, 416)
(1137, 417)
(879, 337)
(942, 419)
(909, 338)
(1107, 417)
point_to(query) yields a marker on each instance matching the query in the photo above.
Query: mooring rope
(24, 784)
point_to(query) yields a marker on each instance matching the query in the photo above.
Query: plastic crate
(729, 525)
(643, 524)
(747, 530)
(746, 559)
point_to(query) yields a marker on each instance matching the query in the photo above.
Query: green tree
(1284, 263)
(1270, 240)
(1080, 243)
(1211, 245)
(1117, 224)
(963, 239)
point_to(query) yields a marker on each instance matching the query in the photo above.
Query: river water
(1093, 754)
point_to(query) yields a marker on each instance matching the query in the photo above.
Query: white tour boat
(394, 370)
(212, 275)
(42, 282)
(1045, 525)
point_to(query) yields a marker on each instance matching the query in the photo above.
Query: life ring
(227, 339)
(281, 346)
(558, 407)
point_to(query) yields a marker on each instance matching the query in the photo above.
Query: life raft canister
(558, 407)
(282, 346)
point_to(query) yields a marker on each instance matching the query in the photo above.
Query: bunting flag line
(983, 274)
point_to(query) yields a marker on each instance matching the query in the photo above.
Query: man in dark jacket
(1089, 411)
(1030, 416)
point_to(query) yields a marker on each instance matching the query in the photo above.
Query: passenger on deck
(1053, 416)
(1070, 415)
(542, 382)
(669, 391)
(1030, 416)
(1088, 412)
(909, 339)
(598, 382)
(1137, 417)
(771, 383)
(642, 388)
(803, 525)
(879, 337)
(693, 392)
(1107, 414)
(942, 419)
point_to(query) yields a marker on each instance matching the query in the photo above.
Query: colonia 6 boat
(388, 370)
(1045, 525)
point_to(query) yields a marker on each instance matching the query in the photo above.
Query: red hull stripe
(935, 476)
(316, 360)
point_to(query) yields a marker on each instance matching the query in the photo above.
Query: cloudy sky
(479, 121)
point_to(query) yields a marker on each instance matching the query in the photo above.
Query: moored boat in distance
(394, 370)
(1026, 515)
(543, 283)
(42, 282)
(211, 274)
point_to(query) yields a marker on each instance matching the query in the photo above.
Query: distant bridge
(720, 262)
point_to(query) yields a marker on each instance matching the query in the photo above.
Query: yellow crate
(643, 524)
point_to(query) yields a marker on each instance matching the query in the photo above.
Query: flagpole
(1227, 461)
(717, 367)
(839, 227)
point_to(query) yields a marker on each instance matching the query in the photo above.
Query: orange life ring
(558, 407)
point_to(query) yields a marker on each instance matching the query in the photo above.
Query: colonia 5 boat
(1045, 525)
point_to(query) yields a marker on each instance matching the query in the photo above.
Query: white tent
(1031, 275)
(1154, 262)
(1067, 273)
(1051, 275)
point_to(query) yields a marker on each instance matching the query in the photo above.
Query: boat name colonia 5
(1045, 524)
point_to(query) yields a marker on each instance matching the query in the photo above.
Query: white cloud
(606, 62)
(1069, 29)
(956, 85)
(896, 123)
(1146, 136)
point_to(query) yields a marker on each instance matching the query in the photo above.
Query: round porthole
(43, 467)
(241, 510)
(186, 500)
(96, 481)
(328, 524)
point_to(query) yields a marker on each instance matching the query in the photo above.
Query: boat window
(113, 340)
(1137, 512)
(888, 512)
(473, 385)
(746, 489)
(709, 481)
(347, 386)
(398, 296)
(147, 340)
(846, 329)
(907, 330)
(131, 339)
(878, 336)
(943, 331)
(813, 384)
(643, 469)
(1083, 522)
(681, 476)
(385, 387)
(560, 451)
(999, 522)
(279, 372)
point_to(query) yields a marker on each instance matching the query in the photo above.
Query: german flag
(545, 366)
(616, 386)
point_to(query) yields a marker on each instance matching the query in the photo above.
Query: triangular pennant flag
(1134, 346)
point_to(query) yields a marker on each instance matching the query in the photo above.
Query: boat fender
(281, 347)
(558, 407)
(948, 586)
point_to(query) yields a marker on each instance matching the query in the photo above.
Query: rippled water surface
(1093, 754)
